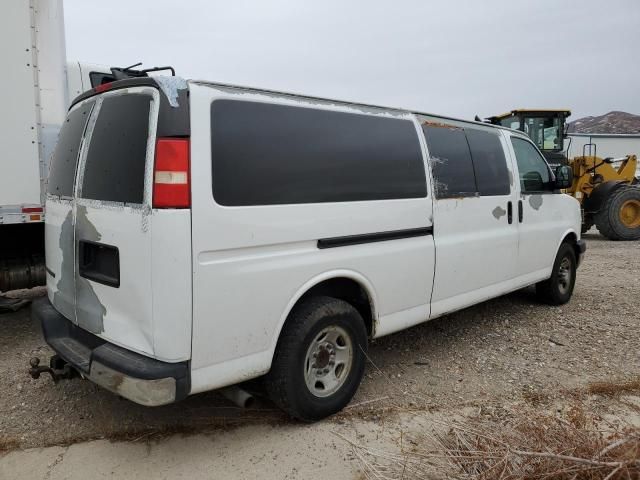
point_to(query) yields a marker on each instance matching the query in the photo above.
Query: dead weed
(526, 444)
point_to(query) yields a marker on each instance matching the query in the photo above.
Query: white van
(199, 235)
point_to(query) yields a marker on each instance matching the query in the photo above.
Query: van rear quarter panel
(250, 263)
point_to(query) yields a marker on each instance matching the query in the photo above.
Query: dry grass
(610, 389)
(7, 444)
(527, 444)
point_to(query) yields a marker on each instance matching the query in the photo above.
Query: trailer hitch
(58, 369)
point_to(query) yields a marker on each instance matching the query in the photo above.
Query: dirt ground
(511, 350)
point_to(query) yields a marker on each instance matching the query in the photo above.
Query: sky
(449, 57)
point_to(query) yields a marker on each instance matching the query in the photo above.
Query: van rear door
(60, 211)
(112, 220)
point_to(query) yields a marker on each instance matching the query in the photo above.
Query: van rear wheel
(319, 359)
(557, 290)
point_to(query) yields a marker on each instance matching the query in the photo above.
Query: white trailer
(604, 145)
(36, 87)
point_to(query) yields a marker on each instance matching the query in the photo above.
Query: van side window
(489, 162)
(450, 160)
(267, 154)
(534, 171)
(114, 169)
(64, 160)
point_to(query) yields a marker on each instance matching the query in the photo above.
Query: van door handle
(509, 212)
(520, 213)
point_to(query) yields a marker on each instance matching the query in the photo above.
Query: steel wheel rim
(328, 361)
(630, 213)
(564, 275)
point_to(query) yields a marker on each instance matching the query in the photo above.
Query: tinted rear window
(115, 165)
(450, 161)
(65, 156)
(489, 162)
(265, 154)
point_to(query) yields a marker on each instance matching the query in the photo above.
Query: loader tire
(619, 215)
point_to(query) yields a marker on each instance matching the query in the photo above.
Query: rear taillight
(171, 183)
(32, 209)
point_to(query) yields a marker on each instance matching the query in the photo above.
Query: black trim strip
(50, 272)
(373, 237)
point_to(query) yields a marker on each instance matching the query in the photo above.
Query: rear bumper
(581, 248)
(138, 378)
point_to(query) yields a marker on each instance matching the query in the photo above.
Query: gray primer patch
(89, 311)
(536, 201)
(498, 212)
(510, 177)
(170, 87)
(63, 297)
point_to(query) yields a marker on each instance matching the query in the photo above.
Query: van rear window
(115, 165)
(64, 160)
(266, 154)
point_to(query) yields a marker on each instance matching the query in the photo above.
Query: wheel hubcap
(630, 213)
(328, 361)
(564, 275)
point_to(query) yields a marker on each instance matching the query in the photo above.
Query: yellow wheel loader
(606, 188)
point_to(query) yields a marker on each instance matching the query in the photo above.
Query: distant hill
(612, 122)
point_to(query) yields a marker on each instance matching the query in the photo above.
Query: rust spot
(427, 123)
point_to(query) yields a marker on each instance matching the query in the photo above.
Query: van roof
(150, 81)
(347, 102)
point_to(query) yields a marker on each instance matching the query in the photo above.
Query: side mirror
(564, 177)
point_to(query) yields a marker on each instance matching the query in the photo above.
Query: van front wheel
(557, 290)
(319, 359)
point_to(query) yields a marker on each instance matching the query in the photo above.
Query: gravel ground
(505, 350)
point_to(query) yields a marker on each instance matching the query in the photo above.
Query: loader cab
(547, 129)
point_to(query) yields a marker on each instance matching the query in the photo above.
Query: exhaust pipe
(240, 397)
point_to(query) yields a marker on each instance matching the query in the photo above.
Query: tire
(308, 393)
(619, 215)
(557, 290)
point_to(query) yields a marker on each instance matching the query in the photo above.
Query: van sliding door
(476, 236)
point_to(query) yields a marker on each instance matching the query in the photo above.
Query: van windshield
(65, 156)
